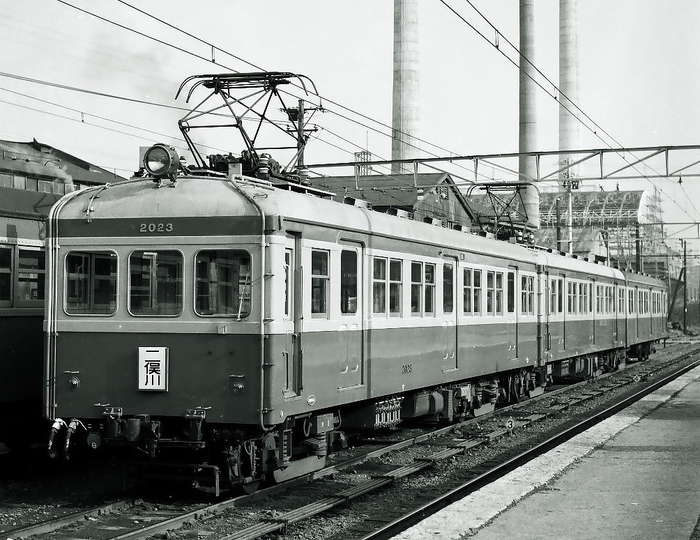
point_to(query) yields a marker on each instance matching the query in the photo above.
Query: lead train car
(252, 324)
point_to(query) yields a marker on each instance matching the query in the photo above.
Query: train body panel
(101, 370)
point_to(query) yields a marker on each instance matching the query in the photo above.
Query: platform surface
(635, 476)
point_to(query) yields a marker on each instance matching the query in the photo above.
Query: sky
(639, 75)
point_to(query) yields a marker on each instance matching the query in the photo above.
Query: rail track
(378, 464)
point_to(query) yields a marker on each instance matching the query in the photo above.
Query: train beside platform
(248, 324)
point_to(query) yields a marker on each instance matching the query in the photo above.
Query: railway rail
(384, 465)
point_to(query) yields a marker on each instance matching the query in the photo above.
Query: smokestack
(405, 91)
(528, 111)
(569, 125)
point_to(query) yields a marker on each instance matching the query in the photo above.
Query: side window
(416, 287)
(395, 287)
(448, 281)
(490, 291)
(223, 285)
(429, 288)
(91, 283)
(553, 297)
(620, 300)
(527, 285)
(319, 282)
(155, 286)
(477, 291)
(31, 272)
(348, 281)
(288, 284)
(569, 297)
(560, 295)
(467, 291)
(379, 285)
(5, 276)
(630, 301)
(499, 293)
(511, 292)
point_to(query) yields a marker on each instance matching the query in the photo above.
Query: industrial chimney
(528, 111)
(405, 91)
(569, 125)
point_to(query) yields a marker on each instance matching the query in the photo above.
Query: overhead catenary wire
(326, 99)
(551, 94)
(191, 35)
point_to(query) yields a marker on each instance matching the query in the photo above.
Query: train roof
(214, 196)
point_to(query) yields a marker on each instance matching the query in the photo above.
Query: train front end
(152, 323)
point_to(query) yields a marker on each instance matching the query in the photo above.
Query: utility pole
(685, 287)
(296, 115)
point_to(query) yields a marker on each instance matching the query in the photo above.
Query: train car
(22, 276)
(200, 311)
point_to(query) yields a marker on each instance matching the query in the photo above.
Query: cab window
(155, 285)
(91, 283)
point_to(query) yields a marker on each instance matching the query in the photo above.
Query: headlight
(161, 160)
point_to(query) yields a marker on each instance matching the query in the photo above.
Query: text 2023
(160, 227)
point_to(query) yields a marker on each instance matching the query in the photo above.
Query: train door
(293, 309)
(449, 313)
(351, 315)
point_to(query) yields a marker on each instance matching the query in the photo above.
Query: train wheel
(240, 467)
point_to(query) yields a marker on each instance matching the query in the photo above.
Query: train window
(348, 281)
(448, 294)
(620, 300)
(646, 302)
(477, 291)
(569, 297)
(30, 276)
(560, 295)
(155, 283)
(5, 276)
(91, 283)
(527, 287)
(288, 285)
(468, 292)
(319, 282)
(590, 298)
(630, 301)
(416, 287)
(429, 288)
(581, 304)
(490, 291)
(553, 297)
(499, 293)
(395, 287)
(511, 292)
(222, 283)
(379, 286)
